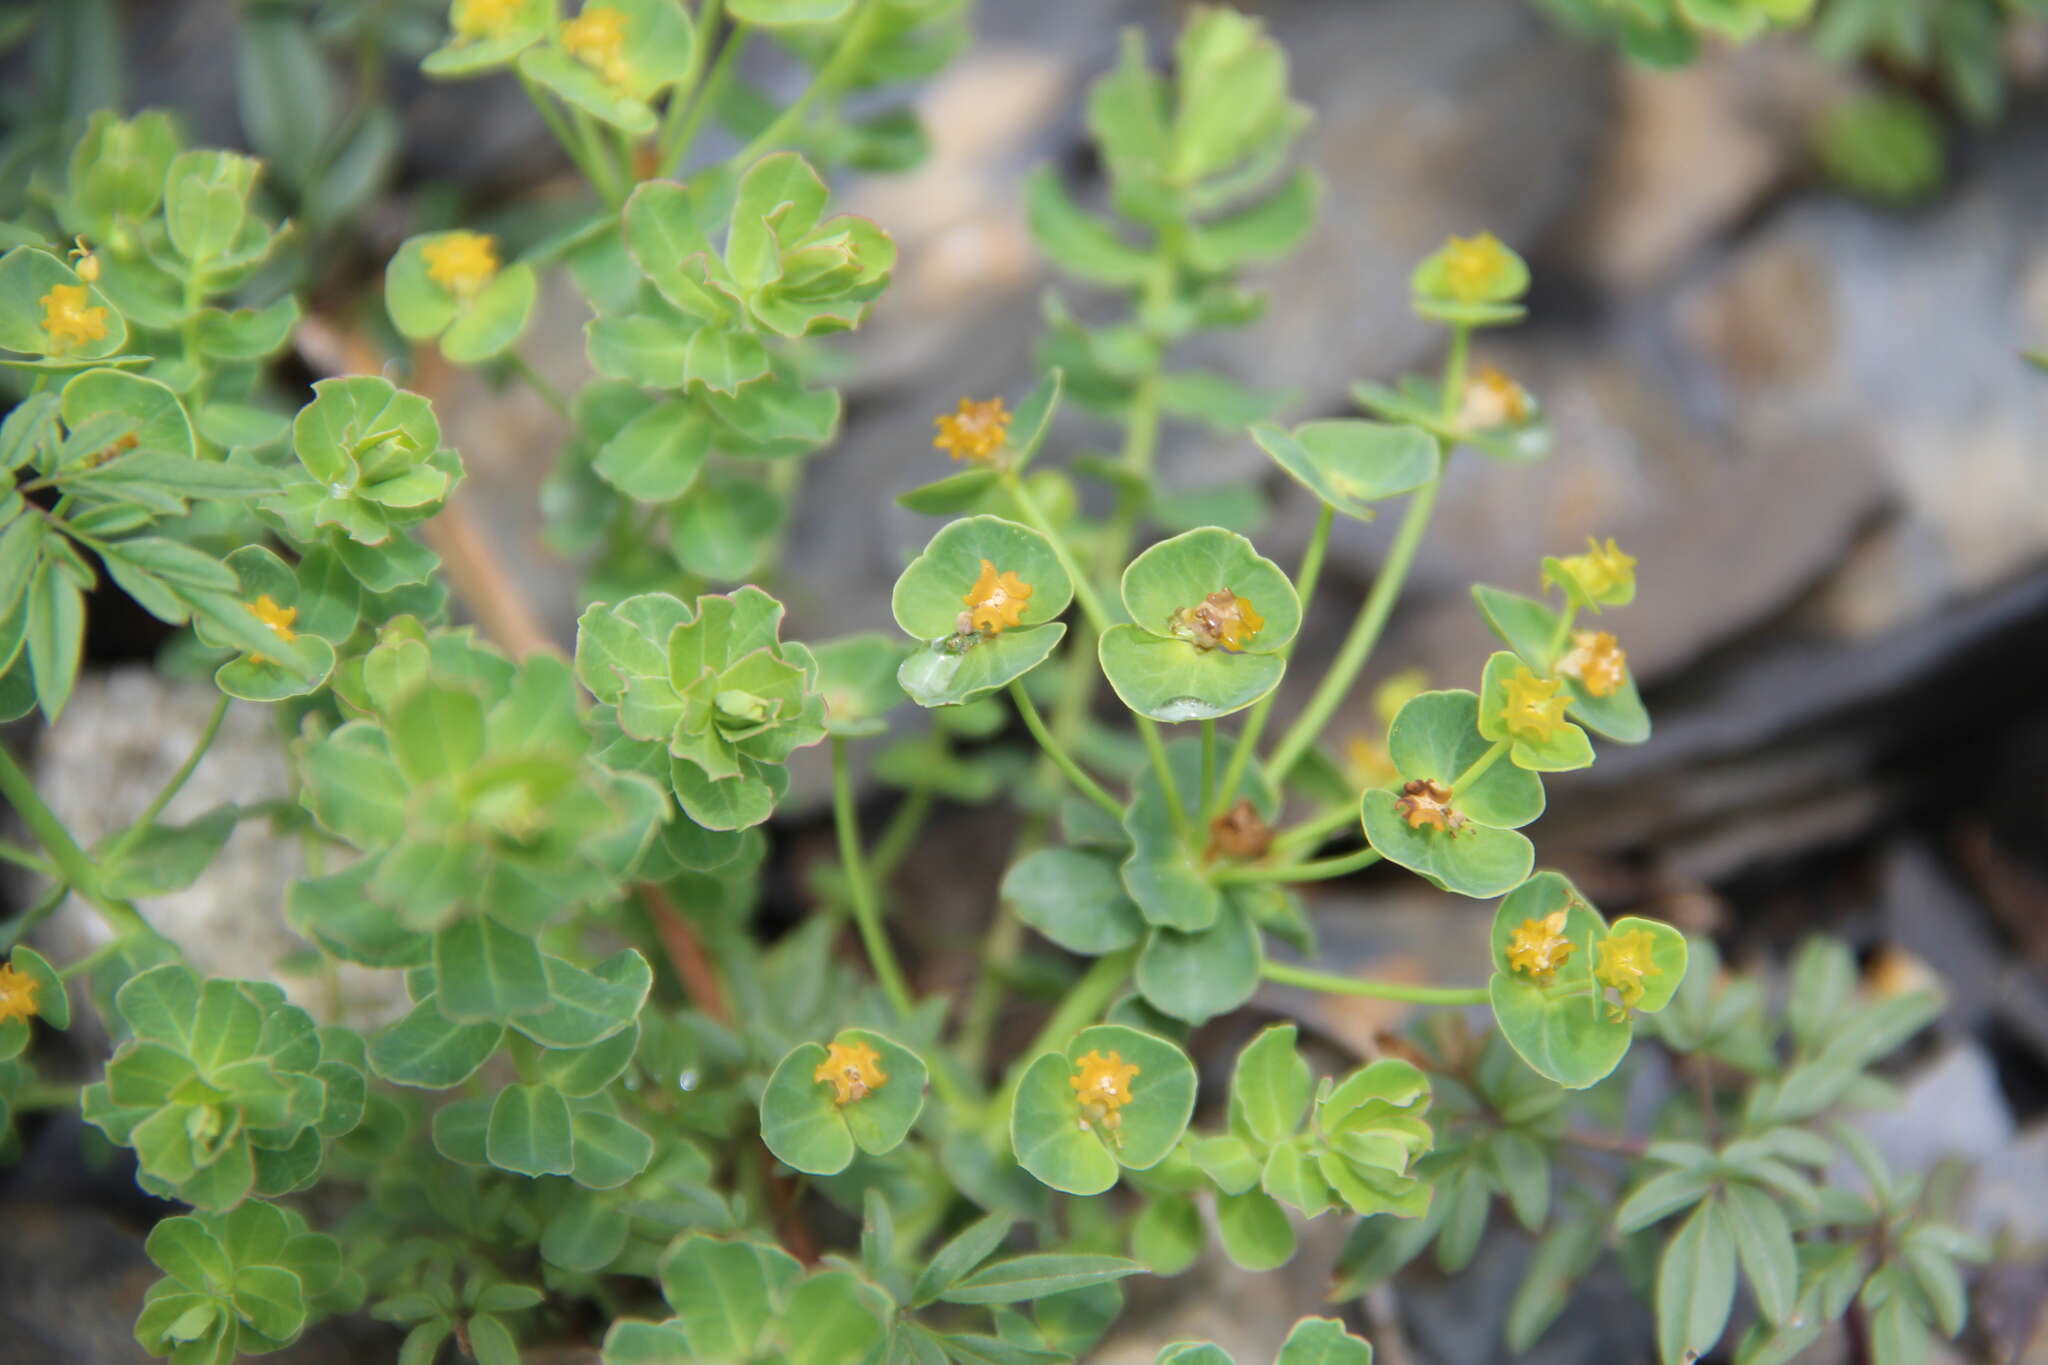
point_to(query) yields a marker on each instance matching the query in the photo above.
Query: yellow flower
(1103, 1083)
(1533, 708)
(483, 18)
(1222, 619)
(1623, 961)
(279, 619)
(68, 321)
(1424, 803)
(853, 1069)
(1492, 399)
(1604, 574)
(996, 601)
(597, 38)
(1538, 948)
(1475, 267)
(462, 262)
(1597, 660)
(975, 431)
(17, 994)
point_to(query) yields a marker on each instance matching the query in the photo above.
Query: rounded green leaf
(1476, 860)
(1619, 716)
(857, 676)
(1256, 1233)
(53, 1006)
(1046, 1135)
(1201, 975)
(1172, 680)
(1175, 576)
(777, 13)
(1162, 1092)
(723, 526)
(1075, 898)
(1351, 464)
(881, 1120)
(28, 277)
(606, 1151)
(530, 1132)
(161, 424)
(1523, 624)
(936, 588)
(656, 456)
(582, 87)
(952, 672)
(1435, 737)
(487, 325)
(526, 23)
(1536, 899)
(420, 306)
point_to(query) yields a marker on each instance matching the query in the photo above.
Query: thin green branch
(540, 384)
(1084, 589)
(1331, 984)
(1319, 871)
(71, 860)
(841, 64)
(207, 734)
(1312, 832)
(866, 913)
(1481, 764)
(1061, 759)
(1155, 748)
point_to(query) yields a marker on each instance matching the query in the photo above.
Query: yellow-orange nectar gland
(461, 262)
(279, 619)
(1475, 266)
(1538, 947)
(597, 38)
(974, 431)
(1623, 961)
(17, 994)
(996, 601)
(483, 18)
(67, 321)
(1603, 572)
(853, 1069)
(83, 262)
(1531, 707)
(1492, 399)
(1221, 620)
(1423, 803)
(1102, 1085)
(1597, 660)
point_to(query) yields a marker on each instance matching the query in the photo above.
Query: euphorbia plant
(608, 1107)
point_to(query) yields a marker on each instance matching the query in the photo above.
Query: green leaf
(1176, 575)
(799, 1122)
(1322, 1341)
(949, 672)
(55, 636)
(27, 277)
(1566, 748)
(1269, 1091)
(206, 198)
(491, 323)
(1695, 1285)
(530, 1132)
(776, 13)
(1173, 681)
(951, 495)
(1763, 1241)
(1477, 860)
(1022, 1278)
(1256, 1233)
(488, 972)
(857, 676)
(1435, 737)
(607, 1151)
(967, 1249)
(839, 1321)
(1352, 464)
(431, 1051)
(587, 1006)
(1167, 1236)
(1522, 1171)
(584, 1235)
(168, 858)
(656, 456)
(724, 525)
(725, 1293)
(1270, 230)
(1079, 242)
(161, 424)
(1566, 1251)
(1046, 1137)
(1198, 976)
(1075, 898)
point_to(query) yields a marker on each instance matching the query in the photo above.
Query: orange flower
(461, 262)
(17, 994)
(1424, 803)
(1597, 660)
(68, 321)
(975, 431)
(1532, 708)
(1222, 619)
(1623, 961)
(853, 1069)
(996, 601)
(1538, 947)
(1103, 1083)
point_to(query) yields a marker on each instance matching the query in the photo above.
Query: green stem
(540, 384)
(859, 34)
(1481, 764)
(71, 860)
(1061, 759)
(17, 928)
(706, 27)
(207, 735)
(866, 913)
(1208, 786)
(1083, 1002)
(1305, 580)
(1562, 633)
(685, 137)
(1365, 633)
(999, 951)
(1176, 809)
(596, 158)
(578, 150)
(21, 857)
(1311, 833)
(1084, 589)
(1332, 984)
(1318, 871)
(901, 830)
